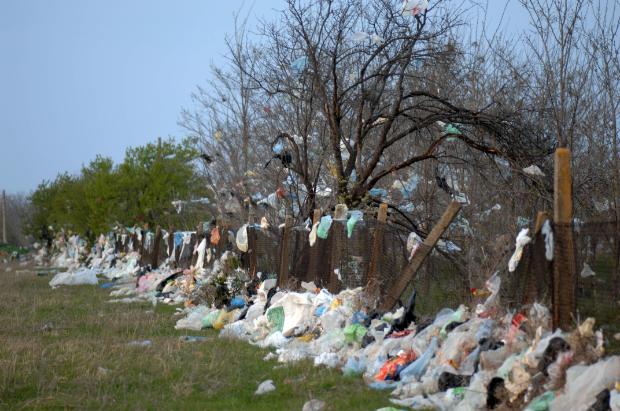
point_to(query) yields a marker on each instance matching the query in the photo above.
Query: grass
(68, 348)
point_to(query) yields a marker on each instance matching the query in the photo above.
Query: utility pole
(3, 216)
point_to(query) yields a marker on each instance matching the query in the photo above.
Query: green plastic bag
(209, 319)
(276, 318)
(356, 216)
(354, 333)
(542, 402)
(451, 129)
(324, 225)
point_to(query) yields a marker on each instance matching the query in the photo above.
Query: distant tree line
(137, 191)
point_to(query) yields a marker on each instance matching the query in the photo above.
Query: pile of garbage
(469, 358)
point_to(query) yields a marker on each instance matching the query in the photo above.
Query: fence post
(534, 267)
(336, 240)
(155, 253)
(199, 235)
(408, 273)
(564, 270)
(372, 282)
(312, 272)
(170, 247)
(284, 252)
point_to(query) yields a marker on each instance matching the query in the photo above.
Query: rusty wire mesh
(597, 247)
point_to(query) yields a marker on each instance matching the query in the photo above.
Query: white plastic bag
(85, 276)
(583, 383)
(242, 238)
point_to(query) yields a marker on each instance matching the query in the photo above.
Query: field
(70, 348)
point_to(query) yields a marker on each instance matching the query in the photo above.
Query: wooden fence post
(312, 272)
(156, 244)
(376, 253)
(200, 234)
(408, 273)
(336, 241)
(171, 252)
(564, 269)
(284, 252)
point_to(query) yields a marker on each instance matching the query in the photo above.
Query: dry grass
(68, 348)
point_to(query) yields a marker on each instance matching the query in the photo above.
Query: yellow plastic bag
(224, 318)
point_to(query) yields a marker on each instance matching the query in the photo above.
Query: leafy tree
(138, 191)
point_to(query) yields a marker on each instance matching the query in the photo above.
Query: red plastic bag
(215, 236)
(392, 367)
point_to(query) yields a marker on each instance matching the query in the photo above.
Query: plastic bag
(275, 315)
(542, 402)
(298, 313)
(328, 359)
(299, 65)
(415, 370)
(614, 400)
(413, 244)
(85, 276)
(324, 225)
(414, 7)
(215, 236)
(548, 233)
(193, 320)
(224, 318)
(493, 285)
(313, 234)
(356, 216)
(332, 319)
(522, 240)
(392, 367)
(354, 333)
(354, 366)
(265, 387)
(242, 238)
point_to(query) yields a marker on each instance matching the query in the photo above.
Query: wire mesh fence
(378, 250)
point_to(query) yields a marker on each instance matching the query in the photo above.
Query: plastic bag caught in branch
(414, 7)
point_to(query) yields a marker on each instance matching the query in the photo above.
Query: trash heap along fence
(575, 269)
(375, 255)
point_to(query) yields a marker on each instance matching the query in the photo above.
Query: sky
(80, 78)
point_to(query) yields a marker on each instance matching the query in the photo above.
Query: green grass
(67, 348)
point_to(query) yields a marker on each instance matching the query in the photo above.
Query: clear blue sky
(83, 77)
